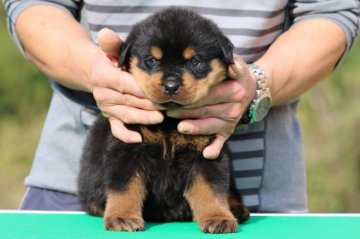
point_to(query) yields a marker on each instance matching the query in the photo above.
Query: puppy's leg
(238, 208)
(210, 209)
(123, 211)
(94, 209)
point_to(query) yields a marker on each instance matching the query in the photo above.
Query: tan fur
(197, 142)
(174, 141)
(191, 90)
(123, 210)
(217, 74)
(154, 137)
(200, 88)
(209, 209)
(189, 52)
(151, 136)
(156, 52)
(150, 84)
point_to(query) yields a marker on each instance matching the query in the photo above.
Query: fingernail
(185, 128)
(156, 118)
(136, 139)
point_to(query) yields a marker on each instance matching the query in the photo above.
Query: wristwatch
(261, 103)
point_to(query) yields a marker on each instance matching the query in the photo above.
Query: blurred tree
(330, 115)
(24, 97)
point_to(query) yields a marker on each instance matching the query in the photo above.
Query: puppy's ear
(124, 54)
(227, 48)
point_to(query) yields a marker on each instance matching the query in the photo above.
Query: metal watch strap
(262, 89)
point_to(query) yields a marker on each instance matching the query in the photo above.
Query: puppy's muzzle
(171, 85)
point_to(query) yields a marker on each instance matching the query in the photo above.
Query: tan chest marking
(174, 141)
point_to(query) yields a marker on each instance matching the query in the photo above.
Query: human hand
(220, 111)
(116, 92)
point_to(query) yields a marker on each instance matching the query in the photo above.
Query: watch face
(262, 108)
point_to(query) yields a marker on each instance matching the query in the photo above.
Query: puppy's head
(176, 56)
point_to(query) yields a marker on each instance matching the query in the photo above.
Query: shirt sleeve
(343, 12)
(14, 8)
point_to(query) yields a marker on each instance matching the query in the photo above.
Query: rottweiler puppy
(176, 56)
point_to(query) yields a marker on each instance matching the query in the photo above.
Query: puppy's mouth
(171, 105)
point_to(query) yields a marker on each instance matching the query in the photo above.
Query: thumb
(109, 42)
(213, 150)
(236, 70)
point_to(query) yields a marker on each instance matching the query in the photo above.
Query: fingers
(226, 91)
(236, 70)
(131, 115)
(109, 42)
(213, 150)
(104, 75)
(117, 93)
(207, 126)
(119, 131)
(128, 108)
(231, 90)
(108, 97)
(224, 111)
(218, 113)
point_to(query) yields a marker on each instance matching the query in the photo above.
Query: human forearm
(60, 47)
(57, 45)
(296, 61)
(301, 57)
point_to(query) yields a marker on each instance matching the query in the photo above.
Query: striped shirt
(267, 160)
(233, 22)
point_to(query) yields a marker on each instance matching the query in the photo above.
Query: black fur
(108, 163)
(175, 29)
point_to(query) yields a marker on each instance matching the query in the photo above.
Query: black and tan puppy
(176, 56)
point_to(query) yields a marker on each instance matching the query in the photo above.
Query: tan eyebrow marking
(189, 52)
(156, 52)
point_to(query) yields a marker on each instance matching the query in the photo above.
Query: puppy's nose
(171, 85)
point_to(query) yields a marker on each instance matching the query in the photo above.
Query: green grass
(17, 146)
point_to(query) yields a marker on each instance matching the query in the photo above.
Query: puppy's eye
(194, 61)
(151, 61)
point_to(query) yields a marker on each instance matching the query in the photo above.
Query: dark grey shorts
(48, 200)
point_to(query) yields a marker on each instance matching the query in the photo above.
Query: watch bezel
(259, 112)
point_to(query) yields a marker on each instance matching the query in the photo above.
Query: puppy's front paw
(241, 213)
(219, 224)
(123, 224)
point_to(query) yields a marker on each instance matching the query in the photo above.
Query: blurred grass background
(330, 115)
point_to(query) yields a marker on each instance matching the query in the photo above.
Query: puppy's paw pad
(123, 224)
(219, 225)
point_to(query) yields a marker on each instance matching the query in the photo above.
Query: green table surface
(51, 225)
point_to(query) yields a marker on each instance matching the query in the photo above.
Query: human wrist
(91, 56)
(261, 101)
(268, 70)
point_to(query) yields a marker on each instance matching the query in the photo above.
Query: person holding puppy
(293, 44)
